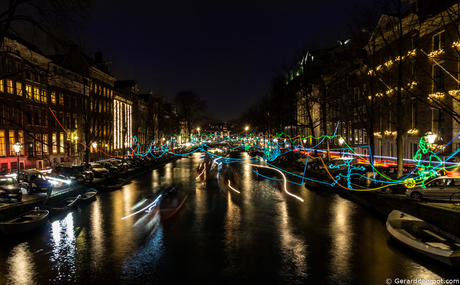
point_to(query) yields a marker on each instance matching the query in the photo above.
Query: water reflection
(21, 265)
(63, 244)
(341, 234)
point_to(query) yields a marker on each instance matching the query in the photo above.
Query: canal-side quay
(10, 210)
(442, 214)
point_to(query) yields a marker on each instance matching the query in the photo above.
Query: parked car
(337, 165)
(87, 173)
(33, 180)
(439, 188)
(110, 167)
(69, 173)
(9, 189)
(120, 164)
(98, 170)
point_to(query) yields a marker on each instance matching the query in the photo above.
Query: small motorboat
(64, 204)
(89, 195)
(25, 222)
(172, 199)
(424, 237)
(111, 185)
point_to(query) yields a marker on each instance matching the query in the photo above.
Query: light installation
(425, 164)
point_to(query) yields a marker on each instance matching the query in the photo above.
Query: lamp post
(17, 148)
(430, 137)
(94, 147)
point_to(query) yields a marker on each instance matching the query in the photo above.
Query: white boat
(424, 237)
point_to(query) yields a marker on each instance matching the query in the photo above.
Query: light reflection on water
(63, 244)
(21, 265)
(260, 234)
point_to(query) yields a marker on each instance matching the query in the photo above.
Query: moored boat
(89, 195)
(424, 237)
(25, 222)
(64, 204)
(172, 199)
(111, 185)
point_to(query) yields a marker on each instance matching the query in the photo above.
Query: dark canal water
(259, 236)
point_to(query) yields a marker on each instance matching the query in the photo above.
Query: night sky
(225, 51)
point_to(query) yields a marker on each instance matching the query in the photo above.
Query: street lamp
(17, 148)
(430, 137)
(94, 146)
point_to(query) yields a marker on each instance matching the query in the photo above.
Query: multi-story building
(54, 106)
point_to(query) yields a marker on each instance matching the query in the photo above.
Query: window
(438, 41)
(68, 121)
(29, 114)
(438, 78)
(61, 142)
(38, 144)
(8, 65)
(36, 94)
(19, 88)
(2, 143)
(45, 143)
(75, 121)
(414, 42)
(28, 73)
(1, 86)
(437, 123)
(54, 138)
(21, 140)
(29, 92)
(9, 86)
(11, 141)
(43, 96)
(18, 66)
(37, 118)
(61, 99)
(53, 97)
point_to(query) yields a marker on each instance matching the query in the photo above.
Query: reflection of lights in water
(97, 234)
(147, 208)
(293, 248)
(284, 178)
(63, 237)
(233, 188)
(20, 265)
(204, 168)
(341, 250)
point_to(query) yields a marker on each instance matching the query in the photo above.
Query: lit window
(9, 86)
(36, 94)
(438, 41)
(28, 92)
(1, 86)
(43, 96)
(19, 88)
(61, 142)
(53, 97)
(11, 142)
(54, 143)
(61, 99)
(2, 143)
(45, 143)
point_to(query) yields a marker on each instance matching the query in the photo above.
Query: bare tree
(190, 108)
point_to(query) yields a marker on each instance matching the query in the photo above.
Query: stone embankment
(15, 209)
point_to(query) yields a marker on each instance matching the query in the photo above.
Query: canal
(219, 236)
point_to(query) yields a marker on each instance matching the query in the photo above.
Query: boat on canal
(109, 185)
(424, 238)
(64, 205)
(172, 200)
(88, 196)
(25, 222)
